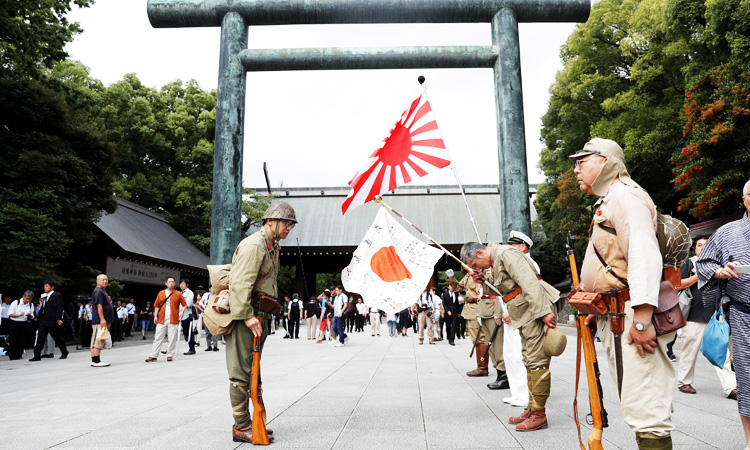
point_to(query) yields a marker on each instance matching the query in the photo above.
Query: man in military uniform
(623, 232)
(471, 289)
(530, 304)
(255, 266)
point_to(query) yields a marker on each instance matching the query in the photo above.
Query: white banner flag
(390, 268)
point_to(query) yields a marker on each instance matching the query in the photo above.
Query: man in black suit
(450, 306)
(50, 322)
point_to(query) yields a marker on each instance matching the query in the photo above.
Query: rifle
(586, 339)
(260, 435)
(489, 343)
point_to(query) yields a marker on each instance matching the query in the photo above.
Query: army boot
(519, 419)
(537, 420)
(481, 370)
(539, 389)
(647, 441)
(501, 382)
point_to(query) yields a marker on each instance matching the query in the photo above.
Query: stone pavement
(375, 393)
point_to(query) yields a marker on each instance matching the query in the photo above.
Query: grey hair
(470, 249)
(28, 294)
(746, 188)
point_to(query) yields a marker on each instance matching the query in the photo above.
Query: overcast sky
(318, 128)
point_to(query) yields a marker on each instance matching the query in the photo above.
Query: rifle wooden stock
(586, 340)
(260, 435)
(598, 413)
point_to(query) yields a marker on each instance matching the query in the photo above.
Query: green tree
(164, 150)
(33, 35)
(622, 80)
(56, 181)
(714, 163)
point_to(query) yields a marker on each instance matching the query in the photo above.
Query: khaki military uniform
(489, 309)
(256, 260)
(648, 383)
(511, 270)
(469, 313)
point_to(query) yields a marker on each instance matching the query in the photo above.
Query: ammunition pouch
(264, 303)
(588, 302)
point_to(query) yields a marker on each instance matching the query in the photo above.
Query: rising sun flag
(390, 268)
(413, 149)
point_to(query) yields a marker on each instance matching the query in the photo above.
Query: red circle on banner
(388, 266)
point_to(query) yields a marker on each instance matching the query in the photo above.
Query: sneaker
(318, 342)
(216, 349)
(339, 344)
(331, 342)
(144, 338)
(346, 340)
(100, 364)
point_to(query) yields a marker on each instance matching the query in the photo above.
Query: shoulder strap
(607, 267)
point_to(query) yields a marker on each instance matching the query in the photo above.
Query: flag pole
(421, 80)
(379, 199)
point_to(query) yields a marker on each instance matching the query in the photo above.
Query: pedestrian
(50, 322)
(212, 342)
(255, 268)
(130, 307)
(103, 314)
(450, 308)
(361, 314)
(530, 303)
(20, 313)
(350, 313)
(285, 316)
(623, 235)
(339, 303)
(404, 317)
(187, 316)
(726, 256)
(122, 320)
(168, 309)
(294, 313)
(84, 317)
(326, 316)
(391, 320)
(4, 315)
(692, 334)
(374, 320)
(312, 313)
(146, 316)
(424, 309)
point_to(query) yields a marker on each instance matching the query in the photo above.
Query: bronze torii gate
(234, 17)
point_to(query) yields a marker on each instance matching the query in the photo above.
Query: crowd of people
(502, 304)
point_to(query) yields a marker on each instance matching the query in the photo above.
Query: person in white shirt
(339, 302)
(211, 340)
(4, 319)
(20, 313)
(438, 314)
(374, 320)
(130, 308)
(187, 316)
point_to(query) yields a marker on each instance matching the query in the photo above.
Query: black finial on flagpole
(420, 79)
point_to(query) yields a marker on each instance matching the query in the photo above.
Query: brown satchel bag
(667, 316)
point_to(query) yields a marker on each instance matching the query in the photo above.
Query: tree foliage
(645, 74)
(56, 181)
(33, 34)
(714, 163)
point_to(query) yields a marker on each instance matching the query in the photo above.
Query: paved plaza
(375, 393)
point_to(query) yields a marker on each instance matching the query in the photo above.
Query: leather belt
(515, 292)
(471, 300)
(624, 294)
(489, 296)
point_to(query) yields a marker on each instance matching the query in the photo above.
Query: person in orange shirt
(168, 309)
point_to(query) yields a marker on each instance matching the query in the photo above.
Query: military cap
(516, 237)
(554, 342)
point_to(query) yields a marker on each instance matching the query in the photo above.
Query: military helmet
(280, 210)
(554, 342)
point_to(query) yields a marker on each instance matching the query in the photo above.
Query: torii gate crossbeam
(234, 17)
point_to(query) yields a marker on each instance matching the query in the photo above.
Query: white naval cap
(516, 237)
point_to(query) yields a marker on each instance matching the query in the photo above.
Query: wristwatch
(641, 326)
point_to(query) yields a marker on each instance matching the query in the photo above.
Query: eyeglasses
(289, 224)
(579, 162)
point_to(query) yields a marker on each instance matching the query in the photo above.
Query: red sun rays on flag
(413, 149)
